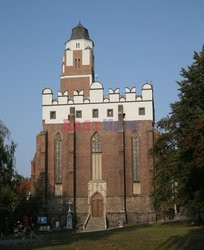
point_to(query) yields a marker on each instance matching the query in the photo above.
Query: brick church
(93, 149)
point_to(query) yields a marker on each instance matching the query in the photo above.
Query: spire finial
(79, 24)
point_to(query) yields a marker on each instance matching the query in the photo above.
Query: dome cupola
(79, 32)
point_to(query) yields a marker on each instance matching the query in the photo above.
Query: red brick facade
(77, 83)
(112, 165)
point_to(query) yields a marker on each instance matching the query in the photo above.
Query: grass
(158, 236)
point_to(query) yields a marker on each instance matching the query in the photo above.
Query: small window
(75, 63)
(109, 112)
(95, 113)
(78, 114)
(142, 111)
(79, 63)
(52, 114)
(77, 45)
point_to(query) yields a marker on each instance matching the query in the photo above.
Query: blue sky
(135, 41)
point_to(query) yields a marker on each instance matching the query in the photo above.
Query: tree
(15, 201)
(179, 149)
(8, 177)
(7, 160)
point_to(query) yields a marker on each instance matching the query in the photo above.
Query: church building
(93, 150)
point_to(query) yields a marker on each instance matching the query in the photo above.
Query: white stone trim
(86, 57)
(99, 186)
(74, 76)
(69, 58)
(71, 44)
(131, 104)
(78, 76)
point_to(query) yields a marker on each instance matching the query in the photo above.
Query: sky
(135, 41)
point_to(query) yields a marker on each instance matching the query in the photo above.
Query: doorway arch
(97, 205)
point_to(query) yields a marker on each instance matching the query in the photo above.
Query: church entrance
(97, 206)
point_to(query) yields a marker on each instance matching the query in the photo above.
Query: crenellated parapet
(97, 95)
(136, 107)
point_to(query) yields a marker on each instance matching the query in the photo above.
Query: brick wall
(77, 83)
(112, 167)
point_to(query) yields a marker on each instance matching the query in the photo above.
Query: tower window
(95, 113)
(52, 114)
(77, 45)
(109, 112)
(78, 114)
(142, 111)
(79, 61)
(75, 63)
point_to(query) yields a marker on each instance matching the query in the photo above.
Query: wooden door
(97, 206)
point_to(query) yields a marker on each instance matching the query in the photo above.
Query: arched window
(79, 62)
(58, 165)
(96, 157)
(136, 157)
(75, 63)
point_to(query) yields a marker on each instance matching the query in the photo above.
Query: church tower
(78, 62)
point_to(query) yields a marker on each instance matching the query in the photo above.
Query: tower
(78, 62)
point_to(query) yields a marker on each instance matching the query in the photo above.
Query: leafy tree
(7, 160)
(8, 178)
(179, 149)
(15, 202)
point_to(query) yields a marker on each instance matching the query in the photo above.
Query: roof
(80, 32)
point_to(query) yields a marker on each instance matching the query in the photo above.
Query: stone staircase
(95, 224)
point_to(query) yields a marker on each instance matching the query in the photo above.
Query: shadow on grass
(62, 238)
(194, 239)
(183, 237)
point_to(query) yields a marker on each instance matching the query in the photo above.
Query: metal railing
(105, 221)
(86, 221)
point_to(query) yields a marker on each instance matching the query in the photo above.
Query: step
(95, 224)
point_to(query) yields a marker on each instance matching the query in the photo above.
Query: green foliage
(179, 149)
(7, 160)
(29, 207)
(8, 178)
(14, 200)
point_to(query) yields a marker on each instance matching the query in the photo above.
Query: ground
(158, 236)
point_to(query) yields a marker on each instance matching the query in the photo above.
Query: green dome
(80, 32)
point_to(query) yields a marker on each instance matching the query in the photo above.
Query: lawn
(158, 236)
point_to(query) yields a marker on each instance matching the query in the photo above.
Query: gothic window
(136, 157)
(96, 157)
(58, 165)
